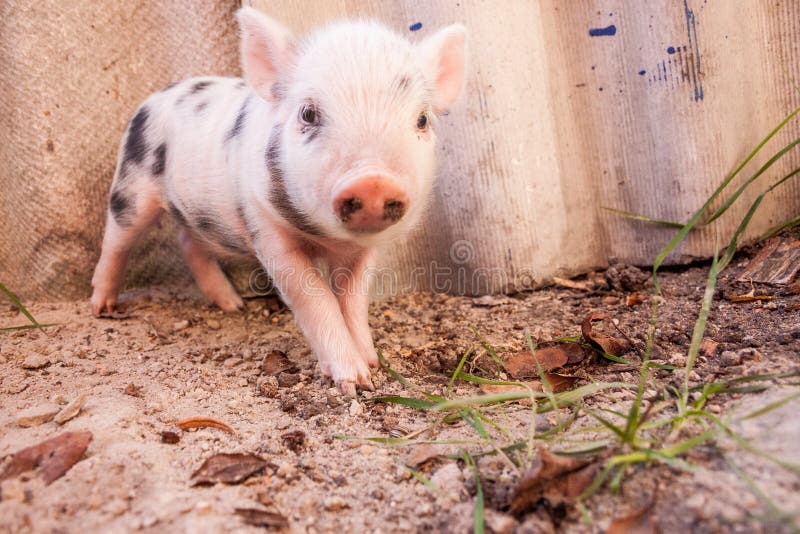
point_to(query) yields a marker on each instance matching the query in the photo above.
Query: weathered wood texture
(554, 125)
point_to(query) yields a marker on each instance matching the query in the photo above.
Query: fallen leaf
(204, 422)
(708, 346)
(634, 299)
(167, 436)
(608, 344)
(71, 410)
(294, 440)
(262, 518)
(228, 469)
(52, 457)
(558, 383)
(558, 479)
(133, 390)
(572, 284)
(639, 521)
(521, 365)
(420, 454)
(750, 297)
(276, 363)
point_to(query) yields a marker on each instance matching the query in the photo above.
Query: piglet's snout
(370, 204)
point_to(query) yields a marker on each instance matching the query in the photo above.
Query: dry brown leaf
(639, 521)
(294, 440)
(262, 518)
(420, 454)
(491, 389)
(708, 346)
(608, 344)
(750, 297)
(53, 457)
(204, 422)
(276, 363)
(572, 284)
(228, 468)
(634, 299)
(521, 365)
(558, 479)
(71, 410)
(560, 382)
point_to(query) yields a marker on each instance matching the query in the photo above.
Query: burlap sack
(71, 74)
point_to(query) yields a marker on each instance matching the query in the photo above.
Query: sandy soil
(186, 359)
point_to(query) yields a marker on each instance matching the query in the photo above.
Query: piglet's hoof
(348, 387)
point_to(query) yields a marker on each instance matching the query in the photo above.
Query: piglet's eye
(422, 121)
(308, 114)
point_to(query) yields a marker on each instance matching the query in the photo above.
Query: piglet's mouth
(371, 204)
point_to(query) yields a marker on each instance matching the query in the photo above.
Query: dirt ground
(174, 358)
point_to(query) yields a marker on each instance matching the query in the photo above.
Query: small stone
(450, 479)
(203, 506)
(268, 386)
(287, 380)
(728, 358)
(677, 359)
(71, 410)
(59, 399)
(213, 324)
(180, 325)
(356, 408)
(335, 503)
(170, 437)
(37, 416)
(749, 354)
(498, 522)
(609, 300)
(265, 313)
(35, 361)
(232, 362)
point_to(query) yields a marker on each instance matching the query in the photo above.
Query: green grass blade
(457, 371)
(644, 218)
(18, 304)
(27, 327)
(411, 402)
(775, 230)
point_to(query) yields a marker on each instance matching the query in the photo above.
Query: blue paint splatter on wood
(671, 50)
(694, 58)
(608, 30)
(642, 72)
(416, 26)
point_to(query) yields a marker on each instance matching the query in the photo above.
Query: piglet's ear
(445, 55)
(265, 49)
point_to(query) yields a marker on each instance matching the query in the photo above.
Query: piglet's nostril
(393, 210)
(349, 207)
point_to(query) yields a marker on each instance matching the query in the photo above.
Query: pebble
(71, 410)
(450, 479)
(356, 408)
(334, 504)
(677, 359)
(232, 362)
(203, 506)
(38, 415)
(499, 523)
(213, 324)
(35, 361)
(180, 325)
(729, 358)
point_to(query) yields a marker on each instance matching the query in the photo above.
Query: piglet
(323, 151)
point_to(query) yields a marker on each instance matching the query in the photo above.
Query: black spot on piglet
(199, 86)
(136, 144)
(160, 159)
(121, 208)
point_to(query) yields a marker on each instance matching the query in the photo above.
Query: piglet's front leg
(316, 312)
(350, 281)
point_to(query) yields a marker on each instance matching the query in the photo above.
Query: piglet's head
(353, 146)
